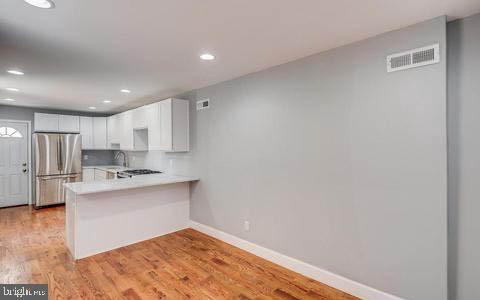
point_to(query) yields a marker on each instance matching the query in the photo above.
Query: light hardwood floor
(182, 265)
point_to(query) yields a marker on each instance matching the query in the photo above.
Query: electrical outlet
(246, 226)
(85, 157)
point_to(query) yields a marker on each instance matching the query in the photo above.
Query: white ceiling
(85, 51)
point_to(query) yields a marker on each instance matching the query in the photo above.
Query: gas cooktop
(136, 172)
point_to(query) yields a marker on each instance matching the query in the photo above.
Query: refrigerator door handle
(59, 155)
(56, 177)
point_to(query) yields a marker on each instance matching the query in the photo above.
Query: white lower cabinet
(100, 174)
(88, 175)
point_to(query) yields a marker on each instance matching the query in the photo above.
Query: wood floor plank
(183, 265)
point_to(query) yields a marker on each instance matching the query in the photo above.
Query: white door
(13, 163)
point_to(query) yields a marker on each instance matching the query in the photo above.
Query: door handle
(56, 177)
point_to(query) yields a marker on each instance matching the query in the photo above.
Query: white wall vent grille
(202, 104)
(414, 58)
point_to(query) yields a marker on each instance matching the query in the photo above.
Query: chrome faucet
(125, 160)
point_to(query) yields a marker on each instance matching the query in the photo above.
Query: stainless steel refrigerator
(57, 160)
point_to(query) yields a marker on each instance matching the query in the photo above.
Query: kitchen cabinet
(86, 131)
(45, 122)
(126, 133)
(100, 174)
(56, 123)
(100, 133)
(113, 131)
(68, 123)
(94, 132)
(174, 125)
(154, 126)
(139, 117)
(88, 175)
(158, 126)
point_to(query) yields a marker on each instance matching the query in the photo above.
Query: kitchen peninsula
(108, 214)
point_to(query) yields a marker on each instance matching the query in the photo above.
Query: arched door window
(9, 132)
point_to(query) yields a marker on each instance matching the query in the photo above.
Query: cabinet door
(88, 175)
(113, 130)
(86, 131)
(139, 117)
(180, 125)
(68, 123)
(100, 174)
(100, 133)
(166, 125)
(46, 122)
(153, 124)
(126, 134)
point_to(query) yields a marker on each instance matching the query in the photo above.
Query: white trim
(29, 153)
(339, 282)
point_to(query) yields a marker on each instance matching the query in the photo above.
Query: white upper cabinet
(94, 132)
(86, 131)
(139, 117)
(68, 123)
(100, 133)
(45, 122)
(174, 125)
(159, 126)
(56, 123)
(154, 126)
(166, 133)
(113, 131)
(126, 127)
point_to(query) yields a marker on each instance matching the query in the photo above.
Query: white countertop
(83, 188)
(107, 168)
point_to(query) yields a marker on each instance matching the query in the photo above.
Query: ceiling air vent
(414, 58)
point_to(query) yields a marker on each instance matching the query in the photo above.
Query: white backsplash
(171, 163)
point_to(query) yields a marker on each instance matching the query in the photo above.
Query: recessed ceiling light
(41, 3)
(9, 99)
(15, 72)
(207, 56)
(92, 107)
(125, 91)
(107, 101)
(12, 89)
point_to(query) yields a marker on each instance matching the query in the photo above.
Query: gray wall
(97, 157)
(464, 157)
(333, 161)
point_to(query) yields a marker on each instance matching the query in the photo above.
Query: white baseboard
(341, 283)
